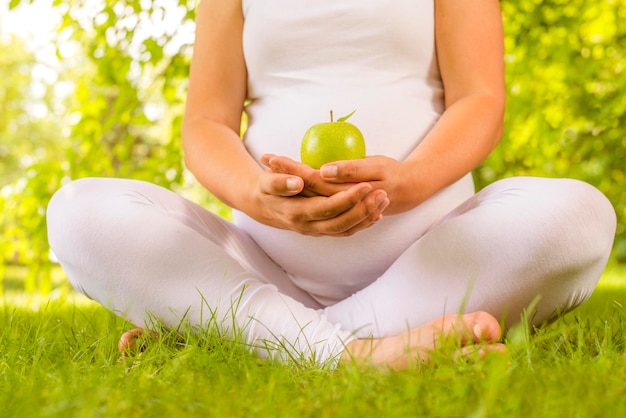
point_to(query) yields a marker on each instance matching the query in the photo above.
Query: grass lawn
(58, 357)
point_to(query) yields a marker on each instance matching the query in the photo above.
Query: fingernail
(266, 159)
(380, 197)
(293, 184)
(329, 171)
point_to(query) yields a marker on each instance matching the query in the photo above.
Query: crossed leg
(137, 248)
(516, 240)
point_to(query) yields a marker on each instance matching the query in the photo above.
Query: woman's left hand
(379, 171)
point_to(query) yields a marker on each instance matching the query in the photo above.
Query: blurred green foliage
(125, 80)
(566, 111)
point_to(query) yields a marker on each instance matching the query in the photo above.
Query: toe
(484, 327)
(128, 340)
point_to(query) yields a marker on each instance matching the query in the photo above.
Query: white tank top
(307, 57)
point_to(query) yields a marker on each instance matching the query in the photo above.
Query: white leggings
(147, 253)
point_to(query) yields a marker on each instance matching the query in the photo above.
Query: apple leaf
(345, 118)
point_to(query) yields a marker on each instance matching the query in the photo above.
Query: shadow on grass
(609, 296)
(603, 299)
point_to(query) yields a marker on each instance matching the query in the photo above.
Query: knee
(590, 215)
(570, 219)
(68, 213)
(597, 212)
(68, 196)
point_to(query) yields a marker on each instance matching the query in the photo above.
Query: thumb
(277, 184)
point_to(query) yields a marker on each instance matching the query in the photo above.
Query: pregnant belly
(331, 269)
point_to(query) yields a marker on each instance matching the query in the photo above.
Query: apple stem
(331, 116)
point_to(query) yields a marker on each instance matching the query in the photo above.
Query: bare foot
(128, 342)
(399, 352)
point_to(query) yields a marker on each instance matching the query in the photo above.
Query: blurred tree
(29, 149)
(15, 68)
(124, 76)
(124, 65)
(566, 113)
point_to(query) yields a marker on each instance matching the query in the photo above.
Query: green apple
(332, 141)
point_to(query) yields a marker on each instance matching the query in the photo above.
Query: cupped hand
(314, 184)
(382, 173)
(344, 213)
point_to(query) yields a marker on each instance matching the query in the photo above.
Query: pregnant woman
(370, 260)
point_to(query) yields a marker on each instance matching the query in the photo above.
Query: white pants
(147, 253)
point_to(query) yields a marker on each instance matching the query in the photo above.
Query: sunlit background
(97, 88)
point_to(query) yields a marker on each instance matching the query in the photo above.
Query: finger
(360, 216)
(335, 205)
(352, 171)
(278, 164)
(318, 187)
(280, 184)
(282, 164)
(314, 185)
(265, 159)
(366, 223)
(370, 214)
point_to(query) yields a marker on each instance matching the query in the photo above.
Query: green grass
(58, 357)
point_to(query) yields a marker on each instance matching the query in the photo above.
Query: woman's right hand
(342, 214)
